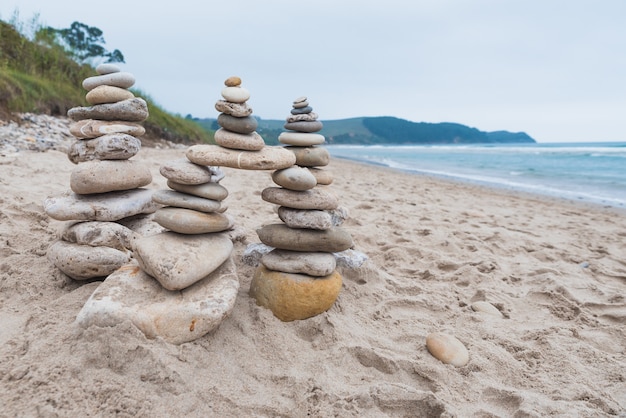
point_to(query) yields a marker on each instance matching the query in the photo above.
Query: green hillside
(41, 75)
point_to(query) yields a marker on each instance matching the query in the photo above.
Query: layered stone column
(106, 185)
(298, 279)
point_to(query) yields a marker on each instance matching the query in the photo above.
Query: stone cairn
(106, 184)
(298, 279)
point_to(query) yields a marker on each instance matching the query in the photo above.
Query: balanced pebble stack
(298, 279)
(106, 184)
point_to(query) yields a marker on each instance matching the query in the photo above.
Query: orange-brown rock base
(293, 296)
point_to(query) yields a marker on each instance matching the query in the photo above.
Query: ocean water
(591, 172)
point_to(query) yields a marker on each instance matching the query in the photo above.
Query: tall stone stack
(298, 279)
(106, 184)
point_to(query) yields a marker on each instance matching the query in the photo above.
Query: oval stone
(294, 178)
(233, 140)
(107, 176)
(191, 222)
(310, 156)
(213, 191)
(268, 158)
(91, 128)
(233, 81)
(487, 308)
(447, 348)
(106, 147)
(312, 264)
(324, 177)
(107, 68)
(178, 261)
(310, 240)
(303, 218)
(304, 126)
(308, 199)
(83, 262)
(294, 296)
(111, 206)
(238, 110)
(130, 110)
(300, 100)
(301, 139)
(108, 94)
(99, 234)
(117, 79)
(184, 200)
(302, 110)
(235, 94)
(244, 125)
(183, 171)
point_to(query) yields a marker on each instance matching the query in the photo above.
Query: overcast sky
(555, 69)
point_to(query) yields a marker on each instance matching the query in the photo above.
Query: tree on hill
(81, 42)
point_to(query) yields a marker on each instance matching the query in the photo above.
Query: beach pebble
(187, 221)
(301, 110)
(301, 139)
(350, 259)
(235, 94)
(447, 348)
(245, 125)
(239, 110)
(99, 234)
(84, 262)
(233, 140)
(100, 207)
(308, 199)
(178, 261)
(184, 200)
(108, 94)
(310, 156)
(233, 81)
(323, 177)
(292, 296)
(213, 191)
(285, 238)
(310, 263)
(91, 128)
(268, 158)
(304, 126)
(130, 294)
(312, 219)
(183, 171)
(130, 110)
(294, 178)
(306, 117)
(253, 253)
(116, 79)
(300, 102)
(487, 308)
(105, 147)
(107, 68)
(108, 176)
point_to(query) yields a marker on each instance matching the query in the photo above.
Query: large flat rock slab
(129, 294)
(268, 158)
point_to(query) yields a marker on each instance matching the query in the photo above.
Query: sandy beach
(556, 271)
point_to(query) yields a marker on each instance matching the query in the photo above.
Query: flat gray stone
(308, 199)
(108, 176)
(310, 156)
(312, 219)
(187, 221)
(184, 200)
(117, 79)
(294, 178)
(268, 158)
(213, 191)
(312, 264)
(111, 206)
(243, 125)
(301, 110)
(183, 171)
(131, 110)
(238, 110)
(130, 294)
(178, 261)
(233, 140)
(310, 240)
(99, 234)
(107, 94)
(105, 147)
(304, 126)
(84, 262)
(91, 128)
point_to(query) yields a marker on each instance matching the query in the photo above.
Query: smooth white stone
(487, 308)
(301, 139)
(235, 94)
(117, 79)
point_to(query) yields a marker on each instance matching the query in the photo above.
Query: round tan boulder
(294, 296)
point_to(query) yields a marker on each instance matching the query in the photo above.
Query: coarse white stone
(311, 263)
(99, 234)
(84, 262)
